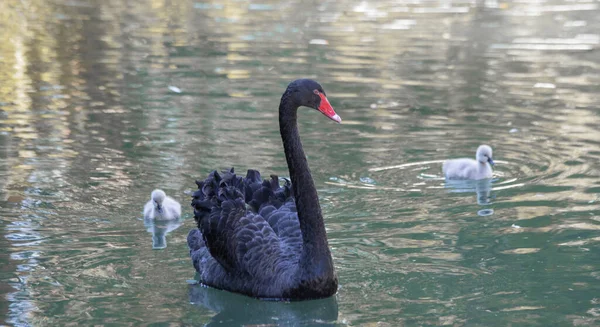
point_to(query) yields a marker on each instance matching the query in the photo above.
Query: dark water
(103, 101)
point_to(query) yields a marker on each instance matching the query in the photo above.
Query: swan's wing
(148, 208)
(276, 205)
(459, 168)
(171, 203)
(240, 240)
(284, 221)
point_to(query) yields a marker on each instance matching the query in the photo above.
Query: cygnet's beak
(158, 207)
(491, 161)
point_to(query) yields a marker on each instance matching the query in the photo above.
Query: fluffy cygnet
(161, 207)
(471, 169)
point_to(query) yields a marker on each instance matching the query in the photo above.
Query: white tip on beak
(337, 118)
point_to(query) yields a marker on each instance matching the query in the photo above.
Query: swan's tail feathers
(269, 192)
(204, 198)
(285, 193)
(224, 186)
(253, 176)
(201, 202)
(231, 187)
(252, 183)
(262, 194)
(215, 190)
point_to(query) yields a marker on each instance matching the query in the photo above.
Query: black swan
(257, 238)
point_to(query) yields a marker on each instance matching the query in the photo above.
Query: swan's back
(466, 169)
(248, 238)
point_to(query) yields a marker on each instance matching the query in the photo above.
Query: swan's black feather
(255, 242)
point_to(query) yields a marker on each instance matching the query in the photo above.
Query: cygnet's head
(157, 197)
(484, 154)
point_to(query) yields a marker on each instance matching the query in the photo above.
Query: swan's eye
(316, 92)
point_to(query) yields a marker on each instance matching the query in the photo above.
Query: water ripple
(103, 102)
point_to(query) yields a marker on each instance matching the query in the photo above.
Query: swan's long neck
(316, 255)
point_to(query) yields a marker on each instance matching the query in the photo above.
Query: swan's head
(484, 154)
(157, 198)
(309, 93)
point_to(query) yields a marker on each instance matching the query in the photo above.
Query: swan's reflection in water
(159, 230)
(237, 310)
(482, 188)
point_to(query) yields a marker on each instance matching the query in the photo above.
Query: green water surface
(103, 101)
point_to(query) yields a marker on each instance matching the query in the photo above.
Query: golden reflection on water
(103, 99)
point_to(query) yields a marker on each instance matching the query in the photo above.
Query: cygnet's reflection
(160, 229)
(238, 310)
(481, 187)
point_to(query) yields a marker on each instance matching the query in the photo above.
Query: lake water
(103, 101)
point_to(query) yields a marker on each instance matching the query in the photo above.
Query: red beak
(327, 109)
